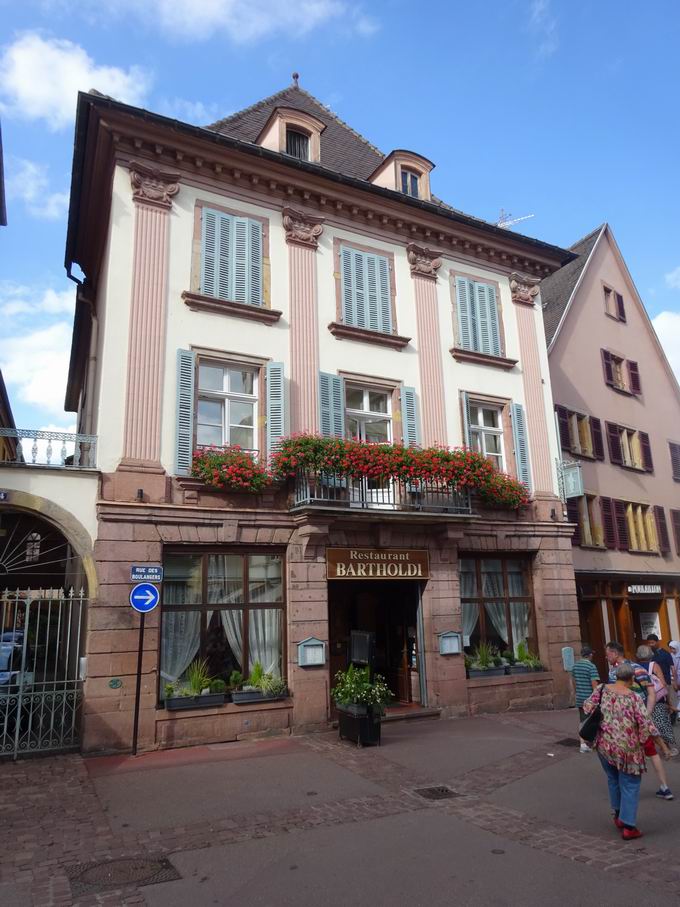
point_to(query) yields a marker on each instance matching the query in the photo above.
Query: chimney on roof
(296, 77)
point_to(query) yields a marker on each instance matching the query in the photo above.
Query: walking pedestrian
(586, 678)
(663, 658)
(660, 714)
(615, 654)
(624, 729)
(673, 697)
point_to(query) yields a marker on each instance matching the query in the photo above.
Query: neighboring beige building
(275, 273)
(617, 404)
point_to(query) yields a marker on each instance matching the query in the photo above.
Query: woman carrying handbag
(622, 727)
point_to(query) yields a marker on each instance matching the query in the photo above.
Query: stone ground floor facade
(495, 578)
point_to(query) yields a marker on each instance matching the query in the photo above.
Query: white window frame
(225, 397)
(410, 175)
(480, 429)
(363, 415)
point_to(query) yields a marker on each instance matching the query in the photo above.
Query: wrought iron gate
(41, 681)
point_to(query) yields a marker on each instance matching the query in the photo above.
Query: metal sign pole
(138, 688)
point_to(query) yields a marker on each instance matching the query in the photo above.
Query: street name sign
(144, 573)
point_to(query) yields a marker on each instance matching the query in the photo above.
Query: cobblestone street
(526, 820)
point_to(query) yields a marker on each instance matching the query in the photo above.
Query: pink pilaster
(302, 233)
(524, 293)
(424, 265)
(152, 191)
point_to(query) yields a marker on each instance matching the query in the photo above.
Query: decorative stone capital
(302, 229)
(524, 289)
(153, 186)
(424, 262)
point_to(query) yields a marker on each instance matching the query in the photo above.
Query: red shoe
(618, 822)
(629, 834)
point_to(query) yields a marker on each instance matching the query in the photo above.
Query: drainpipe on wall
(84, 296)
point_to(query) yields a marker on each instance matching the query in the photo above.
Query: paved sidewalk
(295, 820)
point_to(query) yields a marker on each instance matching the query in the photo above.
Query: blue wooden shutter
(372, 302)
(521, 441)
(494, 324)
(276, 421)
(409, 416)
(385, 302)
(487, 319)
(241, 260)
(348, 304)
(359, 281)
(255, 262)
(332, 405)
(216, 254)
(185, 411)
(465, 400)
(465, 305)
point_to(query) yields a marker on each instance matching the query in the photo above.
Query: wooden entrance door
(592, 632)
(649, 617)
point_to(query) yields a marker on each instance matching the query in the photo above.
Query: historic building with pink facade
(270, 275)
(617, 404)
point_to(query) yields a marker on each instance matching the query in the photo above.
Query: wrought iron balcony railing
(329, 490)
(58, 449)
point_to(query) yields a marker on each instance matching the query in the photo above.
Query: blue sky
(564, 110)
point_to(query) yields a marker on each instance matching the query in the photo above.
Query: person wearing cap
(586, 677)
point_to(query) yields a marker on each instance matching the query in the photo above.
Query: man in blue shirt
(663, 658)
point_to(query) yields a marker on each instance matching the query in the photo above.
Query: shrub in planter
(486, 662)
(260, 686)
(199, 691)
(360, 702)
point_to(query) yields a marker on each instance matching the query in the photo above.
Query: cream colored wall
(578, 383)
(186, 328)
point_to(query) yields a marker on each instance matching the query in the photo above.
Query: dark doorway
(389, 610)
(592, 632)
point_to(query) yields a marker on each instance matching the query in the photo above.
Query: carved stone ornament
(153, 186)
(302, 229)
(524, 289)
(424, 262)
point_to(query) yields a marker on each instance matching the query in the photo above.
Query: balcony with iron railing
(328, 490)
(47, 449)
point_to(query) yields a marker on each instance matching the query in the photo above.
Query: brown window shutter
(608, 367)
(675, 460)
(620, 308)
(608, 524)
(622, 537)
(614, 443)
(563, 427)
(596, 435)
(634, 378)
(675, 519)
(573, 516)
(646, 448)
(662, 530)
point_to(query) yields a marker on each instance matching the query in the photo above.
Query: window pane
(476, 441)
(377, 430)
(354, 397)
(265, 639)
(404, 181)
(496, 625)
(209, 436)
(210, 377)
(490, 418)
(517, 578)
(182, 579)
(180, 639)
(414, 185)
(297, 144)
(225, 579)
(520, 616)
(224, 643)
(377, 402)
(241, 413)
(470, 623)
(242, 437)
(468, 578)
(353, 428)
(210, 412)
(492, 443)
(492, 578)
(240, 381)
(265, 580)
(474, 415)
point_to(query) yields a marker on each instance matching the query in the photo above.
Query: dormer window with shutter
(406, 172)
(294, 132)
(297, 144)
(409, 182)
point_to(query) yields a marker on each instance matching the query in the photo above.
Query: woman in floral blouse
(624, 730)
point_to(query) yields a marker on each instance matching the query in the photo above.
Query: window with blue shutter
(231, 257)
(331, 405)
(366, 295)
(478, 320)
(185, 411)
(409, 416)
(521, 441)
(276, 421)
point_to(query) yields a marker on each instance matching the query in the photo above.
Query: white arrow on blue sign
(144, 597)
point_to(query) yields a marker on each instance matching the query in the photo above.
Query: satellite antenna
(506, 220)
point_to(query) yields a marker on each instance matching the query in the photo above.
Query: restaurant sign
(644, 590)
(377, 563)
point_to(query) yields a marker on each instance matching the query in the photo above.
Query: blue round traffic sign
(144, 597)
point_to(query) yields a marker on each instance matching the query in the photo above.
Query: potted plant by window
(513, 665)
(261, 686)
(360, 702)
(486, 662)
(529, 660)
(198, 691)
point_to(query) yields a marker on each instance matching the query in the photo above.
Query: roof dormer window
(409, 182)
(297, 144)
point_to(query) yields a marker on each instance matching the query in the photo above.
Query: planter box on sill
(360, 724)
(519, 669)
(473, 673)
(243, 697)
(181, 703)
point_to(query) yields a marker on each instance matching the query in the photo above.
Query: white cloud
(673, 279)
(667, 326)
(35, 366)
(22, 300)
(29, 182)
(40, 77)
(543, 24)
(190, 111)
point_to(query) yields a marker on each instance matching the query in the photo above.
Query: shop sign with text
(652, 589)
(377, 563)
